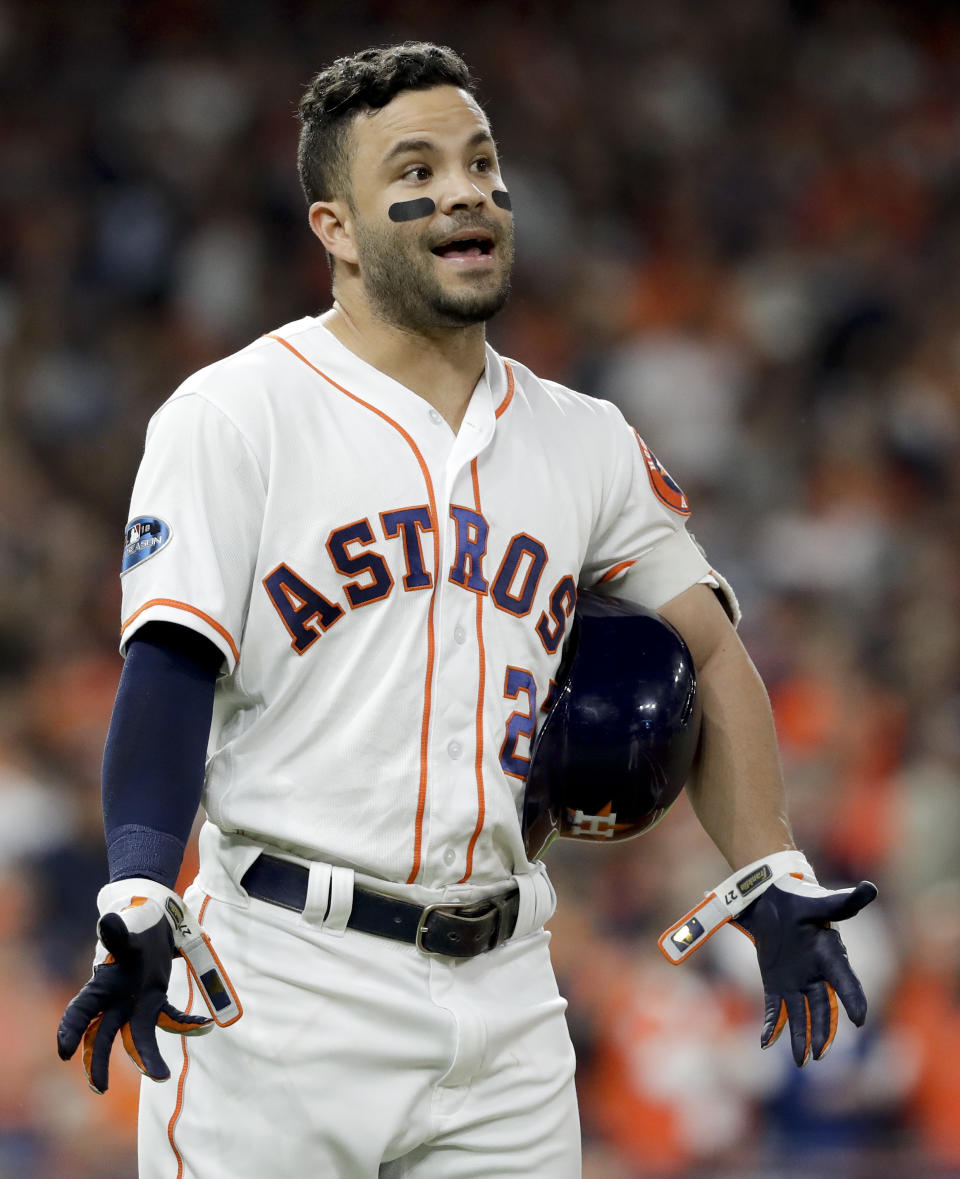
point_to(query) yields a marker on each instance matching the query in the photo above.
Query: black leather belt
(455, 931)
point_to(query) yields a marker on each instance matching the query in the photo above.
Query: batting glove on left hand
(779, 905)
(142, 927)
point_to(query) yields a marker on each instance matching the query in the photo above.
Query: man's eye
(483, 164)
(417, 172)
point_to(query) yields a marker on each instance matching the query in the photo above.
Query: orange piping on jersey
(222, 631)
(611, 573)
(431, 643)
(501, 408)
(481, 798)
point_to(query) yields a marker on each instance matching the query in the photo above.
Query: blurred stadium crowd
(740, 220)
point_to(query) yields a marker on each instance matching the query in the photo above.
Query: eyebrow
(407, 146)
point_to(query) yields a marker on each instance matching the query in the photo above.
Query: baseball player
(354, 553)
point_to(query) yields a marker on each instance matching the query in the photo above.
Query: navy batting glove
(127, 993)
(803, 962)
(778, 903)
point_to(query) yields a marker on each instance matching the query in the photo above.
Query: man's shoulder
(548, 398)
(255, 368)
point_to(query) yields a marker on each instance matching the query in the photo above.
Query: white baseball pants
(361, 1058)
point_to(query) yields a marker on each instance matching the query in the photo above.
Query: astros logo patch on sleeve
(665, 487)
(144, 536)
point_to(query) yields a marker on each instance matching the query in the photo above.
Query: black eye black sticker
(411, 210)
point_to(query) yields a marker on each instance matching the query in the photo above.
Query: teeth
(465, 247)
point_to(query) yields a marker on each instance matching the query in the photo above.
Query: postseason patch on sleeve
(144, 536)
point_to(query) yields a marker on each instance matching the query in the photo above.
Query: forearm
(736, 788)
(153, 763)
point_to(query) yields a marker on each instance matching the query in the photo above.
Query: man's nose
(461, 194)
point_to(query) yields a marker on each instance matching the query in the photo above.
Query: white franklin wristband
(729, 899)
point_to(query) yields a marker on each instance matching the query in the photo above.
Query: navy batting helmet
(615, 750)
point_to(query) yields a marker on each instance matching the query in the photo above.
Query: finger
(822, 1004)
(834, 967)
(97, 1042)
(839, 974)
(798, 1014)
(838, 906)
(93, 998)
(171, 1019)
(774, 1019)
(850, 903)
(141, 1045)
(82, 1008)
(824, 1020)
(89, 1039)
(113, 933)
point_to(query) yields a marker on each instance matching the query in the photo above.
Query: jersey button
(460, 635)
(449, 856)
(436, 417)
(454, 749)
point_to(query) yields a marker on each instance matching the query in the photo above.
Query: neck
(442, 367)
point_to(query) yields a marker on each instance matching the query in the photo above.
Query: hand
(778, 903)
(803, 962)
(127, 993)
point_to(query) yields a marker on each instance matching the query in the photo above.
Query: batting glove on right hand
(142, 927)
(779, 905)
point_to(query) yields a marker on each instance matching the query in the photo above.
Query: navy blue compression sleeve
(154, 758)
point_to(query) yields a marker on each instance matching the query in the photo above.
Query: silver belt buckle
(422, 926)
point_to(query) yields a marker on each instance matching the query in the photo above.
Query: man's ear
(332, 222)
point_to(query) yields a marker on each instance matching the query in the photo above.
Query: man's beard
(402, 285)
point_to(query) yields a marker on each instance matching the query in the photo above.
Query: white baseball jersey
(390, 598)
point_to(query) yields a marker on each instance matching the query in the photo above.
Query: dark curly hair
(366, 81)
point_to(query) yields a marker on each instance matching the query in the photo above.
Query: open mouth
(466, 246)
